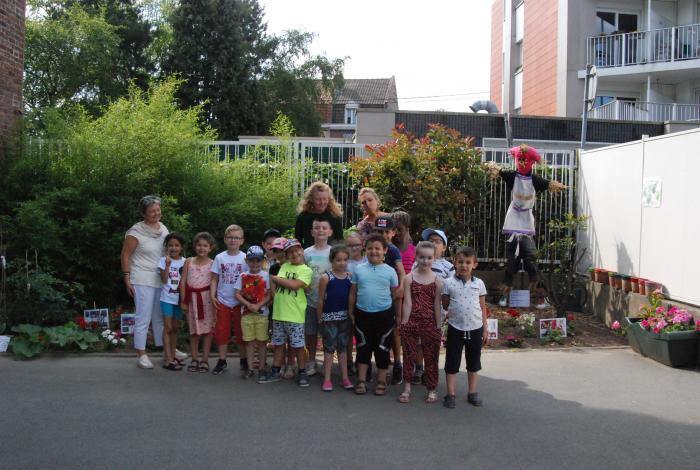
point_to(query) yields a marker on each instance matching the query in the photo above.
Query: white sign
(651, 192)
(96, 316)
(519, 298)
(493, 328)
(549, 324)
(128, 321)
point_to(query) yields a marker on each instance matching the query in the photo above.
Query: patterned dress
(200, 315)
(421, 327)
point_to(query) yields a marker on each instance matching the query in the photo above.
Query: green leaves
(31, 340)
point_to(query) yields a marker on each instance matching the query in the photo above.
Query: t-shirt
(290, 305)
(464, 312)
(319, 263)
(392, 255)
(302, 229)
(169, 293)
(229, 268)
(374, 284)
(253, 288)
(143, 263)
(352, 264)
(408, 257)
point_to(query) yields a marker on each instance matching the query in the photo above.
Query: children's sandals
(405, 397)
(431, 397)
(194, 366)
(175, 366)
(380, 390)
(361, 387)
(203, 367)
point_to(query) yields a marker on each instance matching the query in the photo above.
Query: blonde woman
(370, 204)
(318, 203)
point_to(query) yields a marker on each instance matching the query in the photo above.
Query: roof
(367, 91)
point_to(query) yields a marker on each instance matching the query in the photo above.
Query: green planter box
(674, 349)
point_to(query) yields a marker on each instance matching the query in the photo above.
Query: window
(601, 100)
(519, 22)
(609, 22)
(518, 89)
(351, 113)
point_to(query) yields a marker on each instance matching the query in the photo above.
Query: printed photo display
(97, 316)
(127, 323)
(549, 324)
(493, 328)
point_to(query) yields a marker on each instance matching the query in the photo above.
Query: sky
(438, 50)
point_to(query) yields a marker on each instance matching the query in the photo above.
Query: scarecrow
(519, 225)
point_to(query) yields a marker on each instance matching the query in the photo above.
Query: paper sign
(493, 328)
(96, 317)
(548, 324)
(128, 321)
(651, 192)
(519, 298)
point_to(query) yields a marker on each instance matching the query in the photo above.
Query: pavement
(586, 408)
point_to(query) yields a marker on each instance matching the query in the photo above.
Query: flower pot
(601, 275)
(611, 278)
(674, 349)
(651, 286)
(635, 284)
(615, 280)
(626, 283)
(591, 273)
(642, 286)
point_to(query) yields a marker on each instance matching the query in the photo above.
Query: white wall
(655, 243)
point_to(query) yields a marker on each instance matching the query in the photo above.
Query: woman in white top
(142, 248)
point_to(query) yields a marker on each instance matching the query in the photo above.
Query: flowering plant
(659, 319)
(113, 338)
(514, 341)
(526, 323)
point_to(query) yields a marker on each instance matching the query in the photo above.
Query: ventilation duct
(481, 105)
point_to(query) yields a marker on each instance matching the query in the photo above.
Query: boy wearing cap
(441, 266)
(384, 225)
(252, 290)
(289, 311)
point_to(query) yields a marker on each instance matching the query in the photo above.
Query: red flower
(570, 317)
(80, 321)
(513, 313)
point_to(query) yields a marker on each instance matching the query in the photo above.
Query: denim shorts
(171, 310)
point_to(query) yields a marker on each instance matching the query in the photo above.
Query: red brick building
(11, 63)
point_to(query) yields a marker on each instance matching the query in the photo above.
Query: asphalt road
(595, 408)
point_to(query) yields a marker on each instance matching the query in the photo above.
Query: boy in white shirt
(226, 269)
(463, 296)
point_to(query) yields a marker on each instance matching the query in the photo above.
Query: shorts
(284, 330)
(222, 330)
(336, 335)
(471, 342)
(254, 326)
(374, 333)
(311, 323)
(171, 310)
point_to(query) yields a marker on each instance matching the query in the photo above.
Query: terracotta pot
(611, 279)
(642, 286)
(601, 275)
(635, 284)
(626, 283)
(591, 273)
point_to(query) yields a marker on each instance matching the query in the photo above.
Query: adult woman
(318, 203)
(142, 248)
(370, 204)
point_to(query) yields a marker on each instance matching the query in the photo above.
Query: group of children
(382, 295)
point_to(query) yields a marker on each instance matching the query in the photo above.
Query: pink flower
(660, 310)
(662, 324)
(656, 329)
(616, 325)
(657, 291)
(681, 318)
(645, 323)
(673, 310)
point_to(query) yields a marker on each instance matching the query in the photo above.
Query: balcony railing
(645, 111)
(645, 47)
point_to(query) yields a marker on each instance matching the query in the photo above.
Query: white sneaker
(144, 362)
(543, 305)
(311, 368)
(180, 355)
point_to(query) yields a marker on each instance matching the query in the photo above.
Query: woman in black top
(318, 203)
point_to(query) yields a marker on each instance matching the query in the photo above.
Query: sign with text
(96, 317)
(519, 298)
(549, 324)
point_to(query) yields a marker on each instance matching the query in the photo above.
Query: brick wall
(540, 58)
(11, 63)
(496, 53)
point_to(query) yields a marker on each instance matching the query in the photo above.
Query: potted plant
(666, 334)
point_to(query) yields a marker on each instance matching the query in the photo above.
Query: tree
(218, 48)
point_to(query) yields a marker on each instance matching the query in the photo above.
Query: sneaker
(311, 368)
(144, 362)
(502, 301)
(303, 379)
(473, 399)
(418, 377)
(262, 376)
(179, 355)
(219, 367)
(543, 305)
(396, 375)
(272, 376)
(288, 373)
(449, 401)
(347, 385)
(327, 386)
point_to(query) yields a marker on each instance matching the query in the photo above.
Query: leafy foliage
(435, 178)
(32, 340)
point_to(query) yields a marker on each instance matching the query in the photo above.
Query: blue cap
(433, 231)
(255, 252)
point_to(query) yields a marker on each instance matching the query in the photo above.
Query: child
(354, 243)
(270, 235)
(421, 321)
(252, 290)
(441, 266)
(463, 296)
(277, 249)
(385, 226)
(402, 239)
(372, 293)
(335, 324)
(317, 258)
(196, 299)
(227, 268)
(289, 311)
(170, 268)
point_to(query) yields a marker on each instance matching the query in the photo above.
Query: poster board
(493, 328)
(519, 298)
(548, 324)
(96, 317)
(128, 320)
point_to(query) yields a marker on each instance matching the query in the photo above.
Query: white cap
(433, 231)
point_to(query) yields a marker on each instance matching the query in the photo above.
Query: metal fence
(328, 162)
(646, 111)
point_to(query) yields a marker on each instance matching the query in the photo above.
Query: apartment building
(646, 54)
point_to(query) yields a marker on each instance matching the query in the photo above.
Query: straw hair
(307, 204)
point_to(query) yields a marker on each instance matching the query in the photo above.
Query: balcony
(644, 111)
(644, 47)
